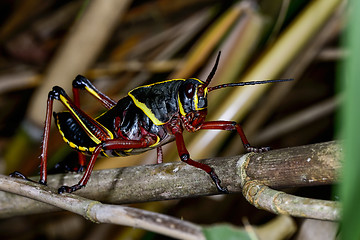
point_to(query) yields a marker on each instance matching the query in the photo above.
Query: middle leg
(185, 157)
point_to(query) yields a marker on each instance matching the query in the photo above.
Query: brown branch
(103, 213)
(279, 202)
(308, 165)
(290, 167)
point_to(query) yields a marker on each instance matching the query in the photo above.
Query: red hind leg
(45, 142)
(113, 144)
(81, 82)
(59, 94)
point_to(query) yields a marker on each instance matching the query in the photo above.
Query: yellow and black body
(144, 112)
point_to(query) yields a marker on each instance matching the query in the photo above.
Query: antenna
(212, 73)
(248, 83)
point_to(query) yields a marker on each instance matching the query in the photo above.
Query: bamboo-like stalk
(276, 95)
(83, 44)
(237, 46)
(199, 54)
(85, 41)
(296, 69)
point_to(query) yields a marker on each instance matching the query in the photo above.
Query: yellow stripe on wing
(88, 131)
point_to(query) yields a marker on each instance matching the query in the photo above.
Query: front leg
(185, 157)
(233, 126)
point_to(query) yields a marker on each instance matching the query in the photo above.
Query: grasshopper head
(193, 92)
(192, 96)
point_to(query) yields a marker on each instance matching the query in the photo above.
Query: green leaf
(225, 232)
(350, 119)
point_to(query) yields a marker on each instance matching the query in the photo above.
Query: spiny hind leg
(113, 144)
(81, 82)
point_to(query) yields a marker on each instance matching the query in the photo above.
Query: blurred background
(120, 45)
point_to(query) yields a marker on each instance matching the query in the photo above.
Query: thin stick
(103, 213)
(278, 202)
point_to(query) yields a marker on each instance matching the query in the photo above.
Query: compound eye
(201, 91)
(189, 90)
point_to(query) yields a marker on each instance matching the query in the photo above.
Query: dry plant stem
(19, 16)
(81, 47)
(281, 227)
(84, 42)
(133, 66)
(331, 29)
(180, 33)
(332, 54)
(298, 120)
(299, 166)
(200, 53)
(18, 81)
(263, 197)
(104, 213)
(279, 21)
(187, 30)
(291, 42)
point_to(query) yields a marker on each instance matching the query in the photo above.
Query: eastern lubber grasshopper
(149, 117)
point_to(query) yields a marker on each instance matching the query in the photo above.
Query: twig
(263, 197)
(103, 213)
(279, 202)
